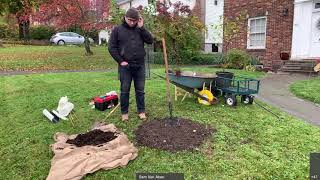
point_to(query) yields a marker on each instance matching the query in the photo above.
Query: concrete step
(301, 66)
(304, 60)
(304, 65)
(289, 68)
(297, 70)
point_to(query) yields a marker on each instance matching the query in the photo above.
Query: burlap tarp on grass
(71, 162)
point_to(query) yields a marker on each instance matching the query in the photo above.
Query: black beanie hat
(133, 13)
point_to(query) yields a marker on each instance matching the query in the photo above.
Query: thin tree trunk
(20, 31)
(175, 52)
(1, 45)
(26, 30)
(87, 46)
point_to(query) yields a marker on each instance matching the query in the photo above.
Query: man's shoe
(142, 116)
(125, 117)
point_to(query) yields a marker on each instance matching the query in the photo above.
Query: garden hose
(207, 94)
(268, 110)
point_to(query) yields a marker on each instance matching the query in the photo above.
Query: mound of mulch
(94, 138)
(168, 135)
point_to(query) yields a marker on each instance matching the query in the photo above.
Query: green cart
(237, 86)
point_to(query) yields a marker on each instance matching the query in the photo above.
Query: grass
(37, 58)
(250, 143)
(307, 89)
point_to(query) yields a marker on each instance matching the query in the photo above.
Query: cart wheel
(217, 92)
(231, 100)
(247, 99)
(207, 94)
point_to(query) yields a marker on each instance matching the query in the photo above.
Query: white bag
(64, 106)
(111, 93)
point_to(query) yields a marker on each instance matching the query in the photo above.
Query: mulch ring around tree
(94, 138)
(168, 135)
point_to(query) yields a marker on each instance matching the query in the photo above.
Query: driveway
(275, 91)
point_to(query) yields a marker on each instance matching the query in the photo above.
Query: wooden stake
(165, 57)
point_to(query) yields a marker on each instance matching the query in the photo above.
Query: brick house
(275, 26)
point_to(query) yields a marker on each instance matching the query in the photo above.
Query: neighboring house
(126, 4)
(274, 27)
(213, 17)
(209, 11)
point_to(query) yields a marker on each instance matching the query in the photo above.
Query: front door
(315, 35)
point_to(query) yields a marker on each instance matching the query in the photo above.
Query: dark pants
(127, 74)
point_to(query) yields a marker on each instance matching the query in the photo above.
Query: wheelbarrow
(192, 83)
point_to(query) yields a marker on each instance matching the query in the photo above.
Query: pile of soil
(94, 138)
(168, 135)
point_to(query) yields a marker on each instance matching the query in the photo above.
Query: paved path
(275, 91)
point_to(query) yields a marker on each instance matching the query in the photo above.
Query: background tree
(178, 24)
(229, 29)
(116, 14)
(3, 5)
(22, 9)
(64, 14)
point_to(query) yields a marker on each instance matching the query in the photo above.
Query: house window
(216, 2)
(257, 28)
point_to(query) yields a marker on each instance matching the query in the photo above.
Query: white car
(63, 38)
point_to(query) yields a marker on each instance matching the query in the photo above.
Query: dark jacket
(127, 43)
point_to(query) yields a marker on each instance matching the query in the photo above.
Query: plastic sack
(64, 106)
(111, 93)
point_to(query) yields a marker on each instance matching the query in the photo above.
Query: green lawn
(308, 89)
(250, 143)
(35, 58)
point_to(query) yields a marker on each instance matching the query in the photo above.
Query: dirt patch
(246, 141)
(166, 135)
(94, 138)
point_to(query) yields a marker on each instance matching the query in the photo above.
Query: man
(126, 46)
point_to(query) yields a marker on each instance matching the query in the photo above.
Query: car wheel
(61, 42)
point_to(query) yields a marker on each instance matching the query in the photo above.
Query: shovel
(165, 57)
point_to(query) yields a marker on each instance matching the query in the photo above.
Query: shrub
(237, 59)
(207, 59)
(157, 58)
(41, 32)
(6, 32)
(196, 59)
(251, 68)
(254, 60)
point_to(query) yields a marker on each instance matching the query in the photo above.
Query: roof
(122, 1)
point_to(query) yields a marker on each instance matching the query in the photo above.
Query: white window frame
(314, 6)
(249, 33)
